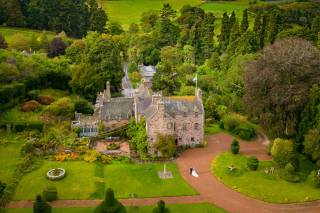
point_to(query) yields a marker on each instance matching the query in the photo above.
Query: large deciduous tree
(277, 84)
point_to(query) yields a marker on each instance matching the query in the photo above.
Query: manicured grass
(78, 184)
(177, 208)
(8, 32)
(143, 180)
(82, 181)
(262, 186)
(9, 156)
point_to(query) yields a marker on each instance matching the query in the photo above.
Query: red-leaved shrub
(45, 99)
(30, 106)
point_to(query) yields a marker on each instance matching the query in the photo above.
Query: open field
(177, 208)
(80, 182)
(129, 11)
(8, 32)
(268, 188)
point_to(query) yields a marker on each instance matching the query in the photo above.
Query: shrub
(245, 131)
(166, 145)
(282, 152)
(110, 204)
(26, 148)
(83, 106)
(230, 122)
(235, 147)
(253, 163)
(314, 179)
(2, 187)
(40, 206)
(22, 126)
(45, 99)
(161, 208)
(31, 106)
(289, 174)
(105, 159)
(50, 193)
(62, 107)
(33, 94)
(91, 156)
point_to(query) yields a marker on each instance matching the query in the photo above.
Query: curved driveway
(213, 191)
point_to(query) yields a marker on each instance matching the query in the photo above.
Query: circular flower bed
(56, 174)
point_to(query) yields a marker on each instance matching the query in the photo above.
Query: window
(196, 126)
(196, 114)
(184, 114)
(192, 139)
(169, 125)
(184, 127)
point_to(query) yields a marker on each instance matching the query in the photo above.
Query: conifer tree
(273, 27)
(161, 208)
(263, 31)
(257, 24)
(232, 20)
(235, 32)
(40, 206)
(244, 22)
(15, 17)
(224, 34)
(110, 204)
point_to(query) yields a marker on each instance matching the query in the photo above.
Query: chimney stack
(108, 93)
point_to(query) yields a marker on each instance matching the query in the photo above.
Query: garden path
(209, 187)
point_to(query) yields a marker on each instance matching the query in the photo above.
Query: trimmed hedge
(23, 126)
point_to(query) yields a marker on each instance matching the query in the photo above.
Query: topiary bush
(40, 206)
(110, 204)
(50, 193)
(253, 163)
(30, 106)
(314, 178)
(161, 208)
(235, 147)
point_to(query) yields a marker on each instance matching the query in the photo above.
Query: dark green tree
(232, 20)
(3, 14)
(257, 24)
(207, 33)
(40, 206)
(167, 33)
(225, 33)
(97, 18)
(161, 208)
(37, 18)
(244, 22)
(262, 32)
(3, 43)
(248, 43)
(235, 32)
(235, 147)
(273, 26)
(15, 17)
(110, 204)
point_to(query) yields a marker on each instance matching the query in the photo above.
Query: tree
(3, 43)
(83, 106)
(248, 43)
(257, 24)
(44, 42)
(149, 20)
(225, 32)
(167, 32)
(97, 18)
(110, 204)
(262, 32)
(253, 163)
(161, 208)
(166, 145)
(40, 206)
(20, 42)
(138, 137)
(235, 147)
(14, 14)
(114, 28)
(235, 32)
(244, 22)
(273, 27)
(57, 47)
(282, 152)
(274, 90)
(3, 15)
(311, 144)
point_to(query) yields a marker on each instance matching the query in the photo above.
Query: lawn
(257, 184)
(212, 129)
(176, 208)
(78, 184)
(8, 32)
(143, 180)
(9, 156)
(129, 11)
(81, 181)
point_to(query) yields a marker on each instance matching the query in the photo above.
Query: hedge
(22, 126)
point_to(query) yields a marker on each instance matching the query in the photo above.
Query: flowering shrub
(91, 156)
(30, 106)
(105, 159)
(63, 156)
(45, 99)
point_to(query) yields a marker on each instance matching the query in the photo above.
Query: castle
(180, 116)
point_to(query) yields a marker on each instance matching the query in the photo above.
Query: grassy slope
(178, 208)
(129, 11)
(269, 188)
(79, 183)
(9, 156)
(8, 32)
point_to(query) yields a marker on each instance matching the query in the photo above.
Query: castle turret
(107, 92)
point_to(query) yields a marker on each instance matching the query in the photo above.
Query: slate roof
(177, 105)
(117, 107)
